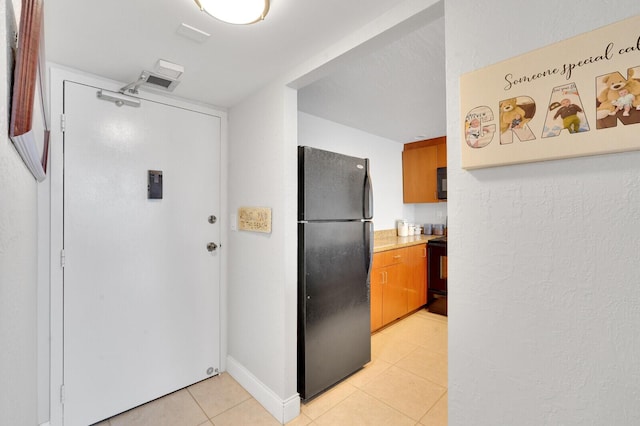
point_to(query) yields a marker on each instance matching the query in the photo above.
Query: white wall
(18, 261)
(386, 169)
(543, 257)
(262, 280)
(430, 213)
(262, 277)
(385, 165)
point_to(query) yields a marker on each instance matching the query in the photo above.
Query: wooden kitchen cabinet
(398, 284)
(378, 277)
(386, 287)
(420, 161)
(417, 279)
(394, 293)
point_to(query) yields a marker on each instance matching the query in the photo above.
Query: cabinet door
(442, 155)
(394, 290)
(394, 294)
(417, 277)
(378, 278)
(419, 175)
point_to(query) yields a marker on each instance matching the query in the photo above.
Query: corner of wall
(18, 258)
(284, 410)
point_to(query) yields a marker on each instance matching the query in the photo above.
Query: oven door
(437, 268)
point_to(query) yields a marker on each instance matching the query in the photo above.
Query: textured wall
(544, 291)
(18, 256)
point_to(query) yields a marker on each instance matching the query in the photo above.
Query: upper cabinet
(420, 162)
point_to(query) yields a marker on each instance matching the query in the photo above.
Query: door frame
(50, 236)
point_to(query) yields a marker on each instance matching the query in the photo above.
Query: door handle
(212, 247)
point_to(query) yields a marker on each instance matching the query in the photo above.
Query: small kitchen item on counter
(418, 229)
(438, 229)
(403, 228)
(412, 229)
(428, 229)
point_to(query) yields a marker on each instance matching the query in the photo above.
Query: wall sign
(577, 97)
(256, 219)
(29, 79)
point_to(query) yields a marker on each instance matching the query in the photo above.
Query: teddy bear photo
(610, 95)
(511, 115)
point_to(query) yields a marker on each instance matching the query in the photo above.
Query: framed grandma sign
(577, 97)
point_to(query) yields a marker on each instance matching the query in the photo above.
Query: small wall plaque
(256, 219)
(577, 97)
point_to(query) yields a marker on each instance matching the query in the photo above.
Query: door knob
(212, 219)
(212, 246)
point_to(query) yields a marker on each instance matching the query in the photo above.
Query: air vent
(152, 79)
(164, 78)
(157, 81)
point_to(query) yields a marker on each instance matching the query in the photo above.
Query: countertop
(388, 240)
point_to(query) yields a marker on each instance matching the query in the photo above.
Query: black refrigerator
(335, 245)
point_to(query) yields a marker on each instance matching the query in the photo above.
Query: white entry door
(141, 288)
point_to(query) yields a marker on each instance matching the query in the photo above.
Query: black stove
(436, 268)
(438, 241)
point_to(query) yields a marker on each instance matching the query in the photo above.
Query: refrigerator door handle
(368, 233)
(368, 195)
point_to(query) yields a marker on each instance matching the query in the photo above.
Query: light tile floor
(404, 384)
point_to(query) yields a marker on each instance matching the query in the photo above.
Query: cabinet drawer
(389, 257)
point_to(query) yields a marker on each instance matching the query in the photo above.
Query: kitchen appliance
(403, 227)
(436, 268)
(441, 175)
(335, 245)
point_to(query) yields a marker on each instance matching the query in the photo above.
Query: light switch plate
(233, 222)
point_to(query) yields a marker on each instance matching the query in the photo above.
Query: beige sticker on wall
(256, 219)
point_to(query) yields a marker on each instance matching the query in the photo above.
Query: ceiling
(396, 91)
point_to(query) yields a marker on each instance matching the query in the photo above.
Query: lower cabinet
(378, 277)
(417, 279)
(398, 284)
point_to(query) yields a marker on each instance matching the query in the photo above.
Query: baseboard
(284, 410)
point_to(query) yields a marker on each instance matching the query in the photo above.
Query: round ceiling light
(235, 11)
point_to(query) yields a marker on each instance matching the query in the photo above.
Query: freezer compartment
(333, 186)
(334, 337)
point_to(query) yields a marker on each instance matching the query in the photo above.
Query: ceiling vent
(165, 78)
(158, 81)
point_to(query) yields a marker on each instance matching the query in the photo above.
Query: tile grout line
(390, 332)
(393, 408)
(423, 378)
(249, 397)
(339, 402)
(198, 404)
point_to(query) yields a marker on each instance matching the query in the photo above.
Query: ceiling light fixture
(235, 11)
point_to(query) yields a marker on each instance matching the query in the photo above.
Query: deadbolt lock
(212, 246)
(212, 219)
